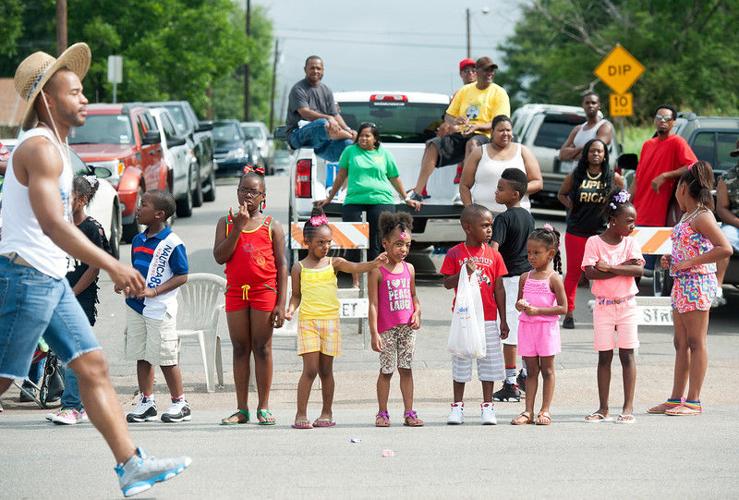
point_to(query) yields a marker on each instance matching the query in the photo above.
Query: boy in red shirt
(475, 253)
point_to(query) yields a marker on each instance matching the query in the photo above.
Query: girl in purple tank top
(394, 315)
(541, 299)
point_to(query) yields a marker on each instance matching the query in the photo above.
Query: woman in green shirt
(372, 181)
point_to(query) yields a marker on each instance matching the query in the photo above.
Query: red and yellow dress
(251, 273)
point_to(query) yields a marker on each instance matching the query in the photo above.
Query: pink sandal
(411, 419)
(382, 419)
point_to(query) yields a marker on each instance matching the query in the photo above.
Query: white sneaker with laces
(141, 472)
(177, 412)
(487, 414)
(456, 416)
(145, 411)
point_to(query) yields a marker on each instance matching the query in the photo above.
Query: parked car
(258, 132)
(105, 206)
(232, 150)
(182, 166)
(125, 139)
(406, 120)
(199, 132)
(281, 162)
(543, 128)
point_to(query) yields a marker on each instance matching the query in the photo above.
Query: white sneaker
(178, 412)
(456, 416)
(69, 416)
(145, 411)
(487, 414)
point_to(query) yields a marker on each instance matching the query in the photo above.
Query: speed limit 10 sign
(621, 105)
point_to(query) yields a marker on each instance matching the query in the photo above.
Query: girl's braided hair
(700, 182)
(550, 238)
(390, 220)
(86, 186)
(317, 219)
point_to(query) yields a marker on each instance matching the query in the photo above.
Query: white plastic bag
(467, 332)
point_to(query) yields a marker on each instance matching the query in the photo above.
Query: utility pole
(274, 84)
(467, 15)
(247, 76)
(61, 26)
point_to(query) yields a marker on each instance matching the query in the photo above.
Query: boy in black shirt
(511, 231)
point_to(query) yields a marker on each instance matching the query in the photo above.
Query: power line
(376, 42)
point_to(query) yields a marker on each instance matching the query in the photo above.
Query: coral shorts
(615, 325)
(261, 297)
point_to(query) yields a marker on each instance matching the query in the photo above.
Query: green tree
(688, 47)
(172, 49)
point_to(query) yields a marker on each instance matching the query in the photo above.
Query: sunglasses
(663, 118)
(250, 193)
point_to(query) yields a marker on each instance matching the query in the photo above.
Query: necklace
(593, 177)
(692, 214)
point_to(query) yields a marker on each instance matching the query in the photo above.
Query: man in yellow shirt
(471, 113)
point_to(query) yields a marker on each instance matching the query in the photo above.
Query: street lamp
(468, 14)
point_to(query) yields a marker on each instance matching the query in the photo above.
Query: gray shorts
(452, 147)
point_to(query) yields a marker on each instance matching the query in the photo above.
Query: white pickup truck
(406, 120)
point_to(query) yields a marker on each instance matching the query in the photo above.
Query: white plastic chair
(200, 302)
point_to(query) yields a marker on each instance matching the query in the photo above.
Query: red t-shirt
(658, 156)
(488, 261)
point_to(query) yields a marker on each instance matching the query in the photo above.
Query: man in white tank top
(35, 297)
(595, 127)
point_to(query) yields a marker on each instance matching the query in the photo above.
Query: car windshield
(103, 129)
(405, 122)
(226, 132)
(178, 115)
(555, 129)
(252, 132)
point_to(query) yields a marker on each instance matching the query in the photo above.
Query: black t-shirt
(96, 234)
(511, 231)
(304, 95)
(586, 217)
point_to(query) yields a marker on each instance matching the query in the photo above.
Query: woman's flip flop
(235, 419)
(323, 422)
(265, 417)
(302, 424)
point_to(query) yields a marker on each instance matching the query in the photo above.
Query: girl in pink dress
(541, 299)
(611, 262)
(697, 243)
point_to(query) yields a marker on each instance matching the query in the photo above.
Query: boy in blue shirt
(160, 256)
(511, 231)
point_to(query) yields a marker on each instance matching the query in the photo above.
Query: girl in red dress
(252, 246)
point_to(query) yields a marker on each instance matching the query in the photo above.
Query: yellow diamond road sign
(619, 70)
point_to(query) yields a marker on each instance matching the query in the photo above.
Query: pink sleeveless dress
(538, 335)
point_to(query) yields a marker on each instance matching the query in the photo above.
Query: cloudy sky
(409, 45)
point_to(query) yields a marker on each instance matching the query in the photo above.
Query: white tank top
(583, 136)
(487, 177)
(21, 232)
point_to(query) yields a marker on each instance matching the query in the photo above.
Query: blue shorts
(32, 305)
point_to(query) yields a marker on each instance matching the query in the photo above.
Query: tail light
(458, 175)
(303, 179)
(388, 99)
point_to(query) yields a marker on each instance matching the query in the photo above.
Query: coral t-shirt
(488, 261)
(620, 286)
(657, 157)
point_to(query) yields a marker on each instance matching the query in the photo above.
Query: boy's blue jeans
(315, 136)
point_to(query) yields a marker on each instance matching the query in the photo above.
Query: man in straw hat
(37, 235)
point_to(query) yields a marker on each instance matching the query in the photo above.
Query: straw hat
(36, 69)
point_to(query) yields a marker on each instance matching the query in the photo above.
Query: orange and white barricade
(346, 236)
(653, 240)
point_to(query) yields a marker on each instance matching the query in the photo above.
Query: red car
(124, 138)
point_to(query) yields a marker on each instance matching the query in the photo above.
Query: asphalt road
(656, 457)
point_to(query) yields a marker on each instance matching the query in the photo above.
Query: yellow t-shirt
(480, 106)
(319, 293)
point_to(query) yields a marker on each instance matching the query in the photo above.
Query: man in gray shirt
(310, 100)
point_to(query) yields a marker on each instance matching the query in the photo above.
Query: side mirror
(176, 141)
(204, 126)
(151, 137)
(102, 172)
(627, 161)
(280, 133)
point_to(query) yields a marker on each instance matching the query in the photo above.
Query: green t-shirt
(367, 176)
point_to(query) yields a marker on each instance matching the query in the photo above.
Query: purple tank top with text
(394, 300)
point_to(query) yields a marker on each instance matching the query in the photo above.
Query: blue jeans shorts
(32, 305)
